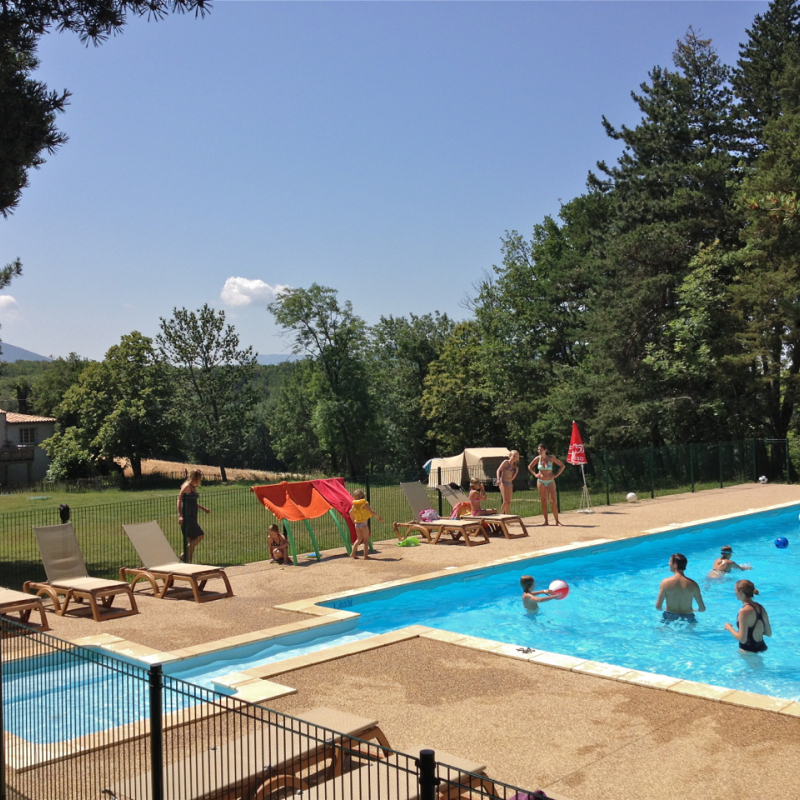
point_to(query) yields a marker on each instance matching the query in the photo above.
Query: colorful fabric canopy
(304, 500)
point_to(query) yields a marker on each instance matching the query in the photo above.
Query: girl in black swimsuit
(752, 623)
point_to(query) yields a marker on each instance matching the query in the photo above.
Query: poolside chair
(161, 564)
(502, 521)
(471, 530)
(277, 754)
(68, 578)
(13, 602)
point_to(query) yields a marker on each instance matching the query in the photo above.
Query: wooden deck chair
(281, 754)
(501, 521)
(395, 778)
(159, 563)
(471, 531)
(13, 602)
(68, 578)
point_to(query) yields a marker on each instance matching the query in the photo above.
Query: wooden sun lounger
(471, 531)
(13, 602)
(501, 521)
(271, 758)
(161, 564)
(390, 779)
(67, 577)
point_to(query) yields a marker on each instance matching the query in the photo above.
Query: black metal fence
(236, 530)
(78, 724)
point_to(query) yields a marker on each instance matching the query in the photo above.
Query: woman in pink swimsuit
(506, 473)
(542, 469)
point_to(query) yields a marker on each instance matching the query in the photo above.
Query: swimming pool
(609, 616)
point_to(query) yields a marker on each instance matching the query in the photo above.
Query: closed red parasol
(576, 454)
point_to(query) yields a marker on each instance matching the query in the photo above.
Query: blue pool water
(608, 616)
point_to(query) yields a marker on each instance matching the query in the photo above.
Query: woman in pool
(752, 623)
(477, 495)
(506, 473)
(187, 512)
(542, 469)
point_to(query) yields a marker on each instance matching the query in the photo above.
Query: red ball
(559, 589)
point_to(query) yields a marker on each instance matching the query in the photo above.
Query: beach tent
(303, 501)
(474, 462)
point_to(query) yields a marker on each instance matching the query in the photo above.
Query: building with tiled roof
(21, 459)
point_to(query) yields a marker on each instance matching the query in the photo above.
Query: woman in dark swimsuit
(187, 512)
(752, 624)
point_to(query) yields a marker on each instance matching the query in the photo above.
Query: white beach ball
(762, 479)
(631, 497)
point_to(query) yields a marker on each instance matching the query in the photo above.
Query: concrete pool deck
(579, 735)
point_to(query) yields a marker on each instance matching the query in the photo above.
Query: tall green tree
(121, 407)
(329, 334)
(763, 60)
(401, 351)
(51, 386)
(671, 191)
(215, 378)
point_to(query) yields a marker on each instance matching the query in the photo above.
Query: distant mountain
(11, 353)
(275, 358)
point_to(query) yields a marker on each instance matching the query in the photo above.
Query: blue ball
(781, 543)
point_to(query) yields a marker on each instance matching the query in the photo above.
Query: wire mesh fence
(236, 528)
(80, 724)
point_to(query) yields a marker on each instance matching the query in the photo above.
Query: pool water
(609, 616)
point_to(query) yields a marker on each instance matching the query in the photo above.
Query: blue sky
(380, 148)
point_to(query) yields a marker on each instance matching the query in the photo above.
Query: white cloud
(7, 302)
(245, 292)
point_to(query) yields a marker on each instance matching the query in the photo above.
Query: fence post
(605, 469)
(156, 735)
(2, 731)
(650, 469)
(427, 775)
(366, 487)
(719, 453)
(558, 497)
(439, 483)
(787, 461)
(691, 465)
(755, 466)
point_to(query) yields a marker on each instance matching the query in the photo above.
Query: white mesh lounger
(472, 530)
(68, 578)
(21, 603)
(159, 563)
(502, 521)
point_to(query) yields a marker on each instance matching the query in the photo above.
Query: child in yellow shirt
(360, 514)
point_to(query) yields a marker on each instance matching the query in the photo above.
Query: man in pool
(679, 591)
(723, 565)
(531, 599)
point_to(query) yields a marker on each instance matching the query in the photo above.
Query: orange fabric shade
(292, 501)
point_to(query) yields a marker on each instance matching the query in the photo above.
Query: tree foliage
(215, 380)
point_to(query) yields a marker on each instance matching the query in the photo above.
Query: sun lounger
(471, 531)
(68, 578)
(395, 778)
(161, 564)
(275, 756)
(501, 521)
(13, 602)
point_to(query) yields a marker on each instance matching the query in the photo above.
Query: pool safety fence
(236, 529)
(79, 724)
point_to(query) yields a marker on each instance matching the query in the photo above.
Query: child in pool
(723, 565)
(752, 621)
(278, 546)
(360, 514)
(531, 598)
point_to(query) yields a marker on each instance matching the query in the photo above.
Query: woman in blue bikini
(506, 473)
(542, 469)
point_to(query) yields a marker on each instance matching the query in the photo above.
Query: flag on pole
(576, 454)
